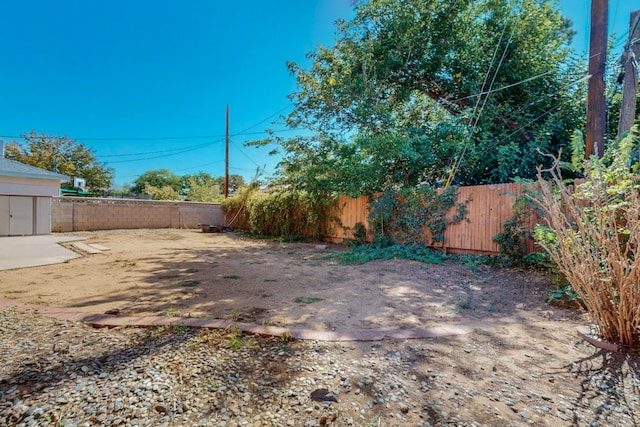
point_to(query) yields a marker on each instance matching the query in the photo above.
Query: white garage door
(16, 216)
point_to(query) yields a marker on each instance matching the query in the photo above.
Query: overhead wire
(167, 138)
(555, 107)
(617, 43)
(173, 153)
(475, 117)
(194, 147)
(545, 113)
(243, 153)
(261, 121)
(182, 149)
(548, 111)
(487, 92)
(501, 88)
(199, 167)
(150, 155)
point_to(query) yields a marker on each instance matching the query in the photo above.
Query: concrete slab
(32, 251)
(99, 247)
(86, 248)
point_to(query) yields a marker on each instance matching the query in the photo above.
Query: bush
(405, 214)
(284, 213)
(593, 235)
(365, 253)
(513, 240)
(517, 232)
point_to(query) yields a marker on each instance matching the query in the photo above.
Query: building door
(4, 215)
(16, 216)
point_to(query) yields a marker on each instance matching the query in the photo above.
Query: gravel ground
(67, 374)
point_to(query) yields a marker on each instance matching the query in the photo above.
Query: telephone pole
(226, 156)
(629, 62)
(596, 101)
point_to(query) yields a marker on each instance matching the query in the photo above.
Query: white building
(25, 198)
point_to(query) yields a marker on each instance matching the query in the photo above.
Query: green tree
(411, 88)
(124, 192)
(201, 187)
(63, 155)
(235, 182)
(161, 193)
(158, 178)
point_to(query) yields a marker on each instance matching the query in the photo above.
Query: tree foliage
(157, 178)
(202, 188)
(63, 155)
(161, 193)
(235, 182)
(403, 95)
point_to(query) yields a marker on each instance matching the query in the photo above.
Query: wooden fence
(488, 207)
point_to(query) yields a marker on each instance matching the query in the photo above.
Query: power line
(551, 109)
(194, 147)
(178, 151)
(199, 167)
(164, 138)
(172, 152)
(555, 107)
(245, 154)
(182, 151)
(262, 121)
(479, 111)
(167, 138)
(510, 85)
(150, 155)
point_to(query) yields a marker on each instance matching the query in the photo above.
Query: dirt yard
(222, 275)
(523, 364)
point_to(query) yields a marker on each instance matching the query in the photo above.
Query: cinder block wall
(89, 214)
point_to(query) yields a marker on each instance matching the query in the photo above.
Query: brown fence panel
(488, 206)
(344, 215)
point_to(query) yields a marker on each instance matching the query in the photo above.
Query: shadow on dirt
(145, 356)
(297, 285)
(616, 376)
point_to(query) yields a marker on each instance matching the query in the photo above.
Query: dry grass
(594, 239)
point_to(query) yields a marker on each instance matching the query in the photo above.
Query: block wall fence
(90, 214)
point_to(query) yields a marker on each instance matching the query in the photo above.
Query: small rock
(323, 395)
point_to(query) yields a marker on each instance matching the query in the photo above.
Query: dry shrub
(593, 236)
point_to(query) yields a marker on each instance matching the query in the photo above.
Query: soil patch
(223, 275)
(523, 364)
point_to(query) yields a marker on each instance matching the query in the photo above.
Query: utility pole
(596, 102)
(226, 157)
(629, 62)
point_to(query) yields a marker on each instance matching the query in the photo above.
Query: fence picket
(488, 207)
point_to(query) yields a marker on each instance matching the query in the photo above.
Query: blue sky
(112, 73)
